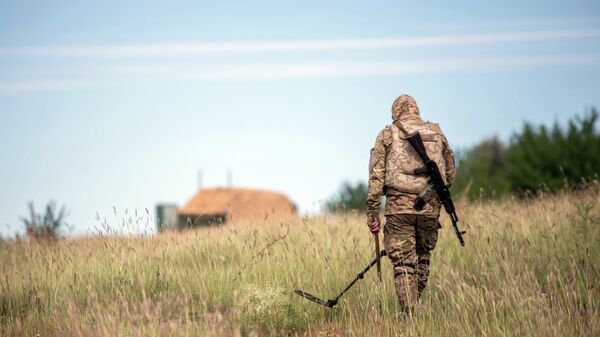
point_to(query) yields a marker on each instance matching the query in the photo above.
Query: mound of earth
(241, 205)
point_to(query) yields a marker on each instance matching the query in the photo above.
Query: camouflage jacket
(398, 202)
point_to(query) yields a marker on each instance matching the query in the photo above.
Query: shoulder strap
(398, 125)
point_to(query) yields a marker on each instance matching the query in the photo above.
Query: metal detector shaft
(333, 303)
(360, 275)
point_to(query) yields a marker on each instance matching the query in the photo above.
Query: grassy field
(529, 268)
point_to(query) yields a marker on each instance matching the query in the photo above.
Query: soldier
(409, 235)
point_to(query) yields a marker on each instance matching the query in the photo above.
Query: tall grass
(530, 268)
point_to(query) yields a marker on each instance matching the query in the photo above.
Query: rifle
(435, 179)
(332, 303)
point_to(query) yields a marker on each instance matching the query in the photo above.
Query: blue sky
(111, 104)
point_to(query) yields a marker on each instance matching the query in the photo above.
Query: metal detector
(332, 303)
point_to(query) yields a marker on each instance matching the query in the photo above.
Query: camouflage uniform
(409, 235)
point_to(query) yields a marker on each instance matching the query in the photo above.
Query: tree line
(535, 158)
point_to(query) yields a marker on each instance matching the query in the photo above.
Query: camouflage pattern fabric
(404, 106)
(409, 240)
(402, 160)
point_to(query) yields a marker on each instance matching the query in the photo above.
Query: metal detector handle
(377, 255)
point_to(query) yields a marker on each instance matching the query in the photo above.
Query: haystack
(239, 205)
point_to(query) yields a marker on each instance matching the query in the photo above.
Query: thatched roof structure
(241, 205)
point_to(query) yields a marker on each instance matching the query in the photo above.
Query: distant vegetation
(535, 158)
(45, 225)
(350, 196)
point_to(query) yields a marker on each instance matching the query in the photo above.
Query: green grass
(529, 268)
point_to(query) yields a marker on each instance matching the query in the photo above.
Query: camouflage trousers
(409, 240)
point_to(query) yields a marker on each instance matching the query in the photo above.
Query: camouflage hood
(404, 107)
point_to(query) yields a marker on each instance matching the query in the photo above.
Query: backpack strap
(395, 135)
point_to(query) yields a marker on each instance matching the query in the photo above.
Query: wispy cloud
(196, 49)
(123, 61)
(528, 23)
(352, 69)
(299, 70)
(47, 85)
(291, 71)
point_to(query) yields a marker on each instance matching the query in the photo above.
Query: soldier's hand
(375, 227)
(373, 223)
